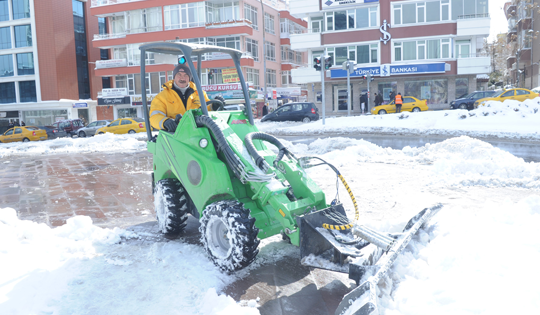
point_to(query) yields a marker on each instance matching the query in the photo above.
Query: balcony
(510, 10)
(302, 8)
(474, 64)
(510, 61)
(305, 41)
(473, 25)
(305, 75)
(229, 23)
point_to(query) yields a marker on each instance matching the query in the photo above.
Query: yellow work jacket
(167, 104)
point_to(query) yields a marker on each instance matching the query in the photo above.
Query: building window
(250, 13)
(422, 49)
(120, 81)
(21, 9)
(252, 47)
(434, 91)
(351, 19)
(462, 87)
(7, 93)
(5, 38)
(270, 49)
(286, 78)
(271, 78)
(23, 36)
(222, 12)
(27, 91)
(229, 42)
(462, 9)
(421, 12)
(184, 15)
(6, 66)
(4, 10)
(79, 23)
(269, 25)
(143, 20)
(253, 76)
(25, 64)
(118, 24)
(361, 54)
(134, 55)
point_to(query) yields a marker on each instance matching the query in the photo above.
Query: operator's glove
(170, 125)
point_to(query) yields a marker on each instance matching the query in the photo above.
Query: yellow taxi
(410, 104)
(511, 94)
(24, 134)
(124, 125)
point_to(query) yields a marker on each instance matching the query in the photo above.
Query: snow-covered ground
(479, 255)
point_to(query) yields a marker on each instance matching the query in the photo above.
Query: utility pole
(264, 51)
(323, 71)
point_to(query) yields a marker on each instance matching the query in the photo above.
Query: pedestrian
(17, 123)
(379, 99)
(376, 99)
(265, 110)
(22, 123)
(399, 102)
(363, 103)
(11, 124)
(392, 96)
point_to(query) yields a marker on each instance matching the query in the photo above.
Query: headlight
(452, 103)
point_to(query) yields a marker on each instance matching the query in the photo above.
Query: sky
(477, 256)
(498, 19)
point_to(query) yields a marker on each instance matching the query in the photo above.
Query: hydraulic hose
(230, 157)
(259, 160)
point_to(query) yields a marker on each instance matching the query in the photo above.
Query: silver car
(92, 127)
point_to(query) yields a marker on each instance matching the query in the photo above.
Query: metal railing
(109, 36)
(229, 23)
(473, 16)
(98, 3)
(472, 55)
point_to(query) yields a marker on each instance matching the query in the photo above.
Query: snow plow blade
(363, 299)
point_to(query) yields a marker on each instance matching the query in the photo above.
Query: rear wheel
(306, 120)
(382, 112)
(171, 204)
(416, 110)
(82, 134)
(131, 132)
(100, 133)
(25, 140)
(229, 235)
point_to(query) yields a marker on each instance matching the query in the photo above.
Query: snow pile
(511, 120)
(105, 143)
(475, 263)
(79, 266)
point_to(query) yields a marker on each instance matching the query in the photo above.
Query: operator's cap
(182, 68)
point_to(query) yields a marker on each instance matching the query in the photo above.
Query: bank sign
(332, 4)
(389, 70)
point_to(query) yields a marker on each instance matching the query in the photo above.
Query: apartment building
(430, 49)
(44, 56)
(126, 24)
(522, 36)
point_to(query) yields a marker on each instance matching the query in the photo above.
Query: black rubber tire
(463, 106)
(306, 120)
(101, 133)
(82, 134)
(416, 110)
(25, 140)
(131, 132)
(382, 112)
(171, 203)
(229, 217)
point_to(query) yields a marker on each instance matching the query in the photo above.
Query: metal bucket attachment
(363, 299)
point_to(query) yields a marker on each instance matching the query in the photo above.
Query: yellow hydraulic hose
(356, 216)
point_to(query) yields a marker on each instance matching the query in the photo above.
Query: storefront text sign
(384, 30)
(136, 100)
(80, 105)
(342, 3)
(113, 100)
(392, 70)
(230, 75)
(222, 87)
(116, 92)
(111, 63)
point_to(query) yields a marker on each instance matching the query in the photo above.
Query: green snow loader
(218, 168)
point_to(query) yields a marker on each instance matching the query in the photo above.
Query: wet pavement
(115, 190)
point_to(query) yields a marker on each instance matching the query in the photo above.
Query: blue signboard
(393, 70)
(80, 105)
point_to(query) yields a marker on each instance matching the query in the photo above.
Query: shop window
(126, 113)
(434, 91)
(462, 86)
(385, 89)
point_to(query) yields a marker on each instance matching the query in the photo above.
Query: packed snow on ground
(510, 119)
(466, 262)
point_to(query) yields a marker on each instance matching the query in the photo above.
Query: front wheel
(229, 235)
(306, 120)
(382, 112)
(82, 134)
(462, 106)
(171, 204)
(131, 132)
(416, 110)
(101, 133)
(26, 140)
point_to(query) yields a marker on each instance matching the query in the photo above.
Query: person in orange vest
(399, 102)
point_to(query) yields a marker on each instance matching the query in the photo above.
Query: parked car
(536, 89)
(467, 102)
(410, 104)
(68, 127)
(235, 107)
(304, 112)
(24, 134)
(124, 125)
(52, 131)
(92, 127)
(511, 94)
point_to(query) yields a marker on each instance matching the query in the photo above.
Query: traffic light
(328, 62)
(364, 77)
(182, 60)
(210, 75)
(317, 63)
